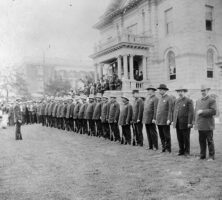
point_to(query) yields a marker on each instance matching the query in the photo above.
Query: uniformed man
(17, 120)
(164, 117)
(68, 110)
(104, 117)
(137, 117)
(125, 119)
(149, 117)
(58, 114)
(114, 110)
(46, 113)
(97, 115)
(205, 111)
(63, 114)
(71, 121)
(89, 115)
(42, 112)
(183, 121)
(81, 116)
(77, 120)
(54, 111)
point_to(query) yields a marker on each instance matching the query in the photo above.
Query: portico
(128, 60)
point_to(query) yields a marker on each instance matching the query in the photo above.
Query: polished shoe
(202, 157)
(180, 154)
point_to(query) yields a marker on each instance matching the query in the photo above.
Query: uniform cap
(204, 87)
(181, 88)
(124, 97)
(163, 87)
(151, 87)
(99, 95)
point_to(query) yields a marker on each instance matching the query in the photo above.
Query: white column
(131, 67)
(119, 63)
(125, 66)
(96, 73)
(144, 68)
(100, 71)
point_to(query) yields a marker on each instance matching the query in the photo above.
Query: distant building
(38, 73)
(177, 42)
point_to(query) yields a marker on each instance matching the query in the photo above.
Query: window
(209, 18)
(210, 63)
(171, 64)
(169, 21)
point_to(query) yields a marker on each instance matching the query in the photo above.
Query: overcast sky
(31, 27)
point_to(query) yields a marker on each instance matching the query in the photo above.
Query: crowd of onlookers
(28, 109)
(102, 85)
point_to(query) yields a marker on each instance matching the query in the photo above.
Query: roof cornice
(105, 19)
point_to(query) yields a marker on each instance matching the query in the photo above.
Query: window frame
(171, 75)
(209, 18)
(169, 22)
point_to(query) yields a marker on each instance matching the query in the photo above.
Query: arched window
(210, 63)
(171, 64)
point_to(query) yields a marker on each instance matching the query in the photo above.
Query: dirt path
(53, 165)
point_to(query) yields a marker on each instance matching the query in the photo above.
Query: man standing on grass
(125, 119)
(97, 115)
(104, 117)
(89, 115)
(183, 121)
(149, 118)
(17, 120)
(114, 110)
(205, 111)
(164, 118)
(137, 117)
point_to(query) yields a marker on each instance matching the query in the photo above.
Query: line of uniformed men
(102, 117)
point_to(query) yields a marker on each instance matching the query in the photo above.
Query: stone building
(177, 42)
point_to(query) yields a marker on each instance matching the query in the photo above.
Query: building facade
(177, 42)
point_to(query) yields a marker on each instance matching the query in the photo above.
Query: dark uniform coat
(164, 110)
(17, 114)
(54, 111)
(150, 109)
(205, 121)
(68, 111)
(82, 111)
(125, 116)
(183, 113)
(72, 107)
(42, 110)
(97, 111)
(104, 112)
(137, 110)
(114, 110)
(76, 110)
(58, 113)
(89, 111)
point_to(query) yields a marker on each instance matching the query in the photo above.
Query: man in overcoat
(81, 116)
(89, 115)
(138, 106)
(164, 117)
(205, 111)
(114, 110)
(17, 120)
(97, 115)
(149, 117)
(183, 120)
(77, 121)
(125, 119)
(104, 117)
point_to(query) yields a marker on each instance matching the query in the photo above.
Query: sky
(54, 28)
